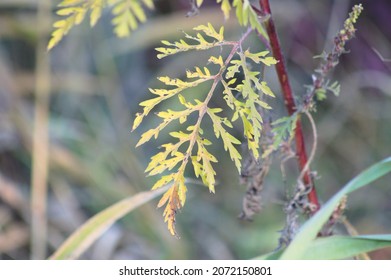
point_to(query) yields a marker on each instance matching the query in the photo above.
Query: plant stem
(40, 151)
(289, 102)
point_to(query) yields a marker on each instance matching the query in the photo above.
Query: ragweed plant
(229, 75)
(320, 84)
(243, 96)
(127, 14)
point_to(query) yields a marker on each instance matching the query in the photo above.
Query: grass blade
(92, 229)
(343, 247)
(311, 228)
(338, 247)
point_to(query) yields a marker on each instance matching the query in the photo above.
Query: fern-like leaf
(74, 12)
(246, 15)
(163, 94)
(191, 145)
(127, 14)
(283, 130)
(251, 89)
(204, 169)
(225, 7)
(201, 43)
(228, 140)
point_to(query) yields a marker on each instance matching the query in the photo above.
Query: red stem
(289, 101)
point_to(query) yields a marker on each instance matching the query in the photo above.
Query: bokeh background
(93, 82)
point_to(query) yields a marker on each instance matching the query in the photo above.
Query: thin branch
(331, 59)
(289, 101)
(385, 60)
(306, 168)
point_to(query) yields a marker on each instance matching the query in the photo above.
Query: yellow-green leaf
(163, 181)
(218, 61)
(149, 4)
(268, 61)
(137, 121)
(96, 11)
(266, 90)
(225, 7)
(146, 136)
(199, 3)
(182, 190)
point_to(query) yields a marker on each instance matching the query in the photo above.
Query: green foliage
(243, 97)
(338, 247)
(225, 7)
(305, 245)
(246, 14)
(321, 93)
(202, 43)
(250, 88)
(126, 15)
(321, 85)
(310, 229)
(74, 12)
(228, 140)
(351, 20)
(283, 130)
(343, 247)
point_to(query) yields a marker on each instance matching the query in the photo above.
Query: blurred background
(72, 110)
